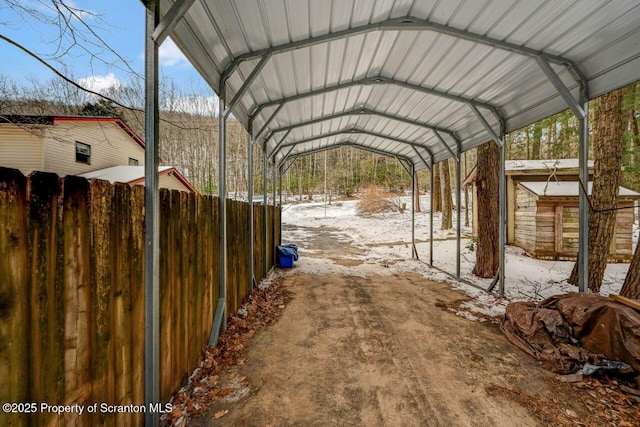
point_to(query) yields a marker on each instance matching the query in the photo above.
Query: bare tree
(447, 217)
(436, 191)
(417, 193)
(487, 183)
(631, 286)
(607, 151)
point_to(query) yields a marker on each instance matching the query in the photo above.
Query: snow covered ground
(388, 236)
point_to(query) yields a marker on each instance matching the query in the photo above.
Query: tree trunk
(487, 182)
(447, 220)
(417, 193)
(466, 193)
(535, 145)
(436, 191)
(607, 151)
(631, 287)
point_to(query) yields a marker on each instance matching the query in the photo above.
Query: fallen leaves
(611, 398)
(212, 381)
(544, 410)
(606, 399)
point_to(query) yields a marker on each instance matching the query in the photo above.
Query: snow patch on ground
(386, 240)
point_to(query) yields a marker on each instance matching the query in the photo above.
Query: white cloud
(169, 54)
(100, 83)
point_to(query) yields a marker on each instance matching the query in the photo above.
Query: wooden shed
(546, 220)
(517, 171)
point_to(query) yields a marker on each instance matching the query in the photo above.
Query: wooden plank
(102, 341)
(257, 242)
(633, 303)
(166, 284)
(122, 321)
(186, 247)
(47, 341)
(76, 237)
(193, 343)
(215, 259)
(137, 297)
(198, 270)
(15, 331)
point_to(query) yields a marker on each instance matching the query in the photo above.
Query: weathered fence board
(14, 295)
(46, 305)
(79, 293)
(72, 290)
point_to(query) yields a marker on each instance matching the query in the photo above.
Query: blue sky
(120, 23)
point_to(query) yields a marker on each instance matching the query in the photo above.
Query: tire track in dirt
(369, 347)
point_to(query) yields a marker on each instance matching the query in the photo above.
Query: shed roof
(512, 167)
(408, 77)
(567, 189)
(133, 175)
(534, 167)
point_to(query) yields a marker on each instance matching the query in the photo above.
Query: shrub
(375, 200)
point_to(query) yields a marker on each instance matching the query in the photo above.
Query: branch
(73, 83)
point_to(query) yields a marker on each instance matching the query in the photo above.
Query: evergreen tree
(101, 108)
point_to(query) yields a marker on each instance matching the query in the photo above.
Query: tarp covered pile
(565, 332)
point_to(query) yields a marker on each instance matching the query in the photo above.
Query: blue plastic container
(285, 261)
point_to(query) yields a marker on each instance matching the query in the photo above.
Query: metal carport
(418, 79)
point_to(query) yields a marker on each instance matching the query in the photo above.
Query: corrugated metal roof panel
(599, 36)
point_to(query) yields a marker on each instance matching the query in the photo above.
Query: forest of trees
(189, 134)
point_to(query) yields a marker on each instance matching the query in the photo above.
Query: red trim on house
(177, 174)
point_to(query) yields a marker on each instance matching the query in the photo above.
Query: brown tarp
(565, 331)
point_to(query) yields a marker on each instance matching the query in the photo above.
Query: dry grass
(375, 200)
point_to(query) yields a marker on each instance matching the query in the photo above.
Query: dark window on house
(133, 162)
(83, 153)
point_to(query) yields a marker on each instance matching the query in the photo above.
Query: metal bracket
(454, 155)
(245, 85)
(266, 123)
(486, 125)
(561, 87)
(170, 20)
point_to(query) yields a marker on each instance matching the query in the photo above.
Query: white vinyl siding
(21, 148)
(172, 183)
(110, 146)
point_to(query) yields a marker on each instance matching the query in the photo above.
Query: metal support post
(583, 219)
(413, 213)
(220, 320)
(151, 221)
(502, 201)
(273, 218)
(250, 201)
(265, 210)
(580, 108)
(458, 204)
(280, 196)
(431, 184)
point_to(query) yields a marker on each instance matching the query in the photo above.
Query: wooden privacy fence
(72, 291)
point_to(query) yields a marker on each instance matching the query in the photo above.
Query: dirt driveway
(368, 346)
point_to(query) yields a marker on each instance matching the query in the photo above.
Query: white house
(93, 147)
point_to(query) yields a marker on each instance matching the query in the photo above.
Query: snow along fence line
(72, 290)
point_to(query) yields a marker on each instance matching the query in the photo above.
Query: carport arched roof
(440, 76)
(450, 64)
